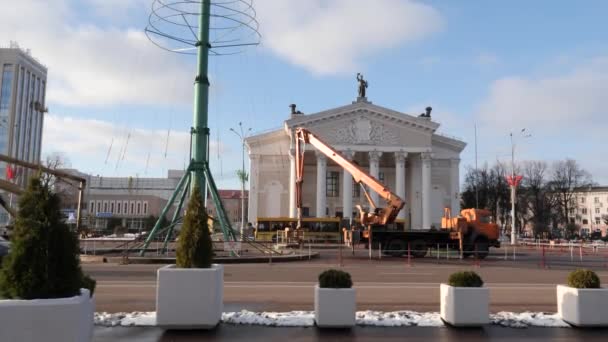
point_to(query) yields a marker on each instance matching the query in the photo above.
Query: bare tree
(568, 176)
(538, 201)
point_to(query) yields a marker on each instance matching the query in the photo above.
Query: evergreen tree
(43, 262)
(195, 249)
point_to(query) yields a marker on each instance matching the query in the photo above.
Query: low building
(134, 201)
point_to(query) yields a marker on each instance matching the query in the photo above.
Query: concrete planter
(58, 319)
(335, 308)
(583, 307)
(465, 306)
(189, 298)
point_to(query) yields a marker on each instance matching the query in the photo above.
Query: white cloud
(87, 145)
(334, 36)
(574, 99)
(95, 64)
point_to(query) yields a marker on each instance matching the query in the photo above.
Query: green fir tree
(195, 249)
(43, 262)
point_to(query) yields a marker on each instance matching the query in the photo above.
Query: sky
(120, 106)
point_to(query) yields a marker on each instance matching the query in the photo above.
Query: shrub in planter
(583, 279)
(583, 302)
(43, 265)
(335, 279)
(464, 300)
(190, 293)
(335, 303)
(465, 279)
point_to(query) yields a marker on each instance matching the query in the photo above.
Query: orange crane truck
(472, 232)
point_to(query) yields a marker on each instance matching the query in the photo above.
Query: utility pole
(476, 184)
(513, 230)
(243, 175)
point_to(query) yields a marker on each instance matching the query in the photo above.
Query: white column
(374, 170)
(321, 185)
(455, 185)
(426, 190)
(254, 174)
(400, 179)
(292, 183)
(347, 181)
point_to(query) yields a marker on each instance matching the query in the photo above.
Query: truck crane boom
(380, 215)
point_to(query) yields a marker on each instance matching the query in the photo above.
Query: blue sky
(541, 65)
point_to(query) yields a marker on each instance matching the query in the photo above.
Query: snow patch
(399, 319)
(280, 319)
(363, 318)
(527, 319)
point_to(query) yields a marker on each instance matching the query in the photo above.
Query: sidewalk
(227, 332)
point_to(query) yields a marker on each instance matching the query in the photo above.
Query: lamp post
(243, 176)
(513, 182)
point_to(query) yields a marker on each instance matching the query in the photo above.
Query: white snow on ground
(527, 319)
(364, 318)
(281, 319)
(399, 318)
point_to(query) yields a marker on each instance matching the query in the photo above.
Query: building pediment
(367, 125)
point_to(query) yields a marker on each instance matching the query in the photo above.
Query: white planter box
(189, 298)
(583, 307)
(465, 306)
(59, 319)
(335, 308)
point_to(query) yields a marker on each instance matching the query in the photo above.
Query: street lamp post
(513, 182)
(241, 134)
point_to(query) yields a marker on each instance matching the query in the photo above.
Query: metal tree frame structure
(201, 28)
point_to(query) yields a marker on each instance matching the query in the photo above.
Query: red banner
(514, 180)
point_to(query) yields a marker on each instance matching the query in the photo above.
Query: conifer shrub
(583, 279)
(195, 249)
(335, 279)
(465, 279)
(44, 261)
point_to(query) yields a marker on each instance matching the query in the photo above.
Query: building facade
(22, 107)
(591, 211)
(402, 151)
(133, 200)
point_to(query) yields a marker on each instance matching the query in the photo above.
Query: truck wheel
(481, 247)
(396, 248)
(418, 248)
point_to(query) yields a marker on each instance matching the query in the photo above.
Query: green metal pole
(153, 233)
(200, 132)
(176, 215)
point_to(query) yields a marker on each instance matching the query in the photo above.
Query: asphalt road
(387, 284)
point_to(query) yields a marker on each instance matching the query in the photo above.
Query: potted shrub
(335, 300)
(45, 295)
(583, 302)
(189, 294)
(464, 300)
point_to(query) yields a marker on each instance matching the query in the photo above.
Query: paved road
(257, 333)
(389, 284)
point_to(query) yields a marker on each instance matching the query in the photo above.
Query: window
(125, 207)
(356, 189)
(105, 207)
(597, 210)
(582, 199)
(381, 176)
(597, 220)
(584, 210)
(138, 208)
(5, 88)
(98, 206)
(132, 211)
(118, 205)
(305, 211)
(112, 207)
(585, 221)
(91, 206)
(596, 200)
(571, 220)
(332, 185)
(145, 208)
(571, 211)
